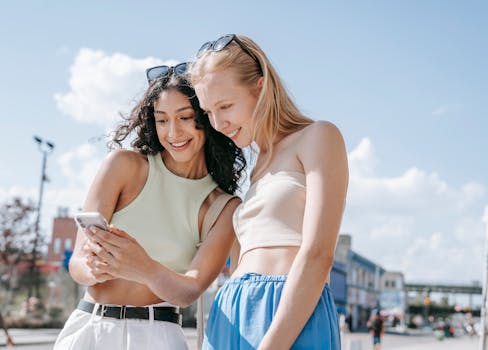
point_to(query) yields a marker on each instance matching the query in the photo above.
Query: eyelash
(164, 121)
(223, 107)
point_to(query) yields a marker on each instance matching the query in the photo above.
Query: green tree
(17, 219)
(16, 241)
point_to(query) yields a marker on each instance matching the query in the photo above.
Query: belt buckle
(122, 312)
(103, 310)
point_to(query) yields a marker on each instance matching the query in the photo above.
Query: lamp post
(46, 147)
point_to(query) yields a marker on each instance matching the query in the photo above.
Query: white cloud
(415, 222)
(80, 165)
(78, 168)
(103, 85)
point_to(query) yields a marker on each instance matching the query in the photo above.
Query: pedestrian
(177, 182)
(8, 339)
(288, 224)
(376, 329)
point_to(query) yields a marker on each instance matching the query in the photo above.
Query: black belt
(161, 313)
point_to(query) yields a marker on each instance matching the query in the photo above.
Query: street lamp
(46, 147)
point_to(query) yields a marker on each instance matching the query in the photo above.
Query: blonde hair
(275, 113)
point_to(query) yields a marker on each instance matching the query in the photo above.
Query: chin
(243, 143)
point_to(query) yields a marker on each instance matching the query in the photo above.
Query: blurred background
(404, 81)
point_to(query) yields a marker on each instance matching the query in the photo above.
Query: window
(57, 245)
(67, 244)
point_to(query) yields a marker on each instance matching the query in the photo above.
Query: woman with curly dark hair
(176, 185)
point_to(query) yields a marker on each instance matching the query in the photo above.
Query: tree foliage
(17, 230)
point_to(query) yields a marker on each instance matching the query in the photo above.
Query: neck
(276, 138)
(193, 169)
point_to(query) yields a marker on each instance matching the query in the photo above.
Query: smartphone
(87, 219)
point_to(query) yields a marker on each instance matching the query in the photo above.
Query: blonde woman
(288, 223)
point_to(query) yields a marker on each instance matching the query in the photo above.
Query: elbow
(78, 274)
(190, 294)
(190, 297)
(321, 258)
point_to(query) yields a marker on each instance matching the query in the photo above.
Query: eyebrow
(225, 100)
(157, 111)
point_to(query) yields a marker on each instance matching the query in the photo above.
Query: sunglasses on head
(222, 42)
(158, 72)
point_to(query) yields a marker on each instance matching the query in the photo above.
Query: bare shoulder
(125, 159)
(320, 141)
(124, 164)
(233, 202)
(320, 131)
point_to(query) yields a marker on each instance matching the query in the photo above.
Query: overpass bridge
(426, 289)
(443, 288)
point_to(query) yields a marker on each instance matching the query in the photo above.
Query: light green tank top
(163, 218)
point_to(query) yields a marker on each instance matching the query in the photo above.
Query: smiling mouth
(179, 145)
(233, 133)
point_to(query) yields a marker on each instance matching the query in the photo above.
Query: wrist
(151, 276)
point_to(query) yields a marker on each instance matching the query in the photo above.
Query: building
(63, 238)
(338, 286)
(393, 299)
(363, 283)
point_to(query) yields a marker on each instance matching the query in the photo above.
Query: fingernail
(92, 229)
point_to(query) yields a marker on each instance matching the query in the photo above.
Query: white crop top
(272, 212)
(164, 216)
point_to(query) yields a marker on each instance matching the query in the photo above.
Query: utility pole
(46, 147)
(483, 336)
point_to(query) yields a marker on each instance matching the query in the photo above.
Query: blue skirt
(244, 308)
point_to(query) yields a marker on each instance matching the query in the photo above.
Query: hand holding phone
(87, 219)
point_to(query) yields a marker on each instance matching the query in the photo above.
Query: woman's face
(175, 125)
(229, 105)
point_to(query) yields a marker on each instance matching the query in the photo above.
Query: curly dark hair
(225, 161)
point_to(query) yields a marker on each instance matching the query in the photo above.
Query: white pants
(85, 331)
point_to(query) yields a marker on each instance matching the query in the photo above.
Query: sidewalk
(30, 336)
(464, 343)
(363, 341)
(44, 339)
(48, 336)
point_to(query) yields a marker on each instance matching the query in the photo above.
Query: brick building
(63, 238)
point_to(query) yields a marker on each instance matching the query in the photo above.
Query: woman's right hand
(98, 275)
(116, 253)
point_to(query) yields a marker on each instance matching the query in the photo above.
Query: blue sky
(403, 80)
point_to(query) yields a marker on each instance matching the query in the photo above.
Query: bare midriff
(267, 261)
(121, 292)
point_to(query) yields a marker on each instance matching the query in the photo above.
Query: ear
(259, 86)
(260, 83)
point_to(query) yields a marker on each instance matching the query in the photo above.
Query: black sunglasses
(158, 72)
(222, 42)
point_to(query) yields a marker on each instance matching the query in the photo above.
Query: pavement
(43, 339)
(30, 336)
(416, 341)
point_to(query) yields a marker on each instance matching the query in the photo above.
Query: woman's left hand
(118, 254)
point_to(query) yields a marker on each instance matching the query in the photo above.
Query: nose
(218, 123)
(174, 129)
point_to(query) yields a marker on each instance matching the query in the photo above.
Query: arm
(324, 160)
(103, 195)
(234, 255)
(119, 256)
